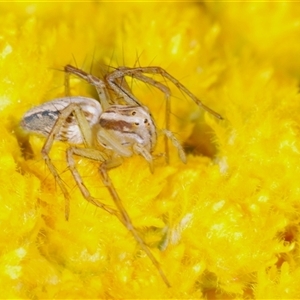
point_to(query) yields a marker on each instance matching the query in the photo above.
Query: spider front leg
(138, 74)
(121, 214)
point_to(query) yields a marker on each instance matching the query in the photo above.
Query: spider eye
(145, 121)
(133, 113)
(137, 123)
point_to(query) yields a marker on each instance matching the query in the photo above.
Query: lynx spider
(119, 126)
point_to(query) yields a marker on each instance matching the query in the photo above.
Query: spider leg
(121, 82)
(121, 213)
(125, 219)
(91, 79)
(158, 70)
(169, 135)
(87, 136)
(94, 155)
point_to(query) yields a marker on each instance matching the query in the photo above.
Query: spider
(116, 127)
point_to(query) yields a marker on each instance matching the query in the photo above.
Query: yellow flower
(226, 224)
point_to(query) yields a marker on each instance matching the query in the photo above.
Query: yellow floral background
(223, 226)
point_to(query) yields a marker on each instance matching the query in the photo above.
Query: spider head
(123, 126)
